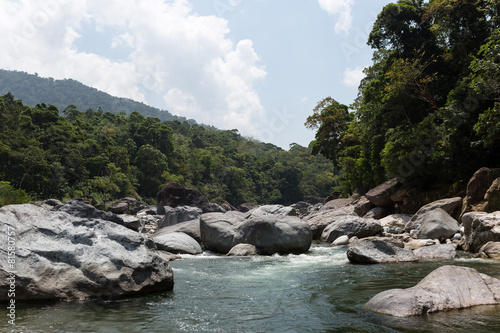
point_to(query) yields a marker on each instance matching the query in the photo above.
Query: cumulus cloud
(170, 51)
(353, 77)
(342, 10)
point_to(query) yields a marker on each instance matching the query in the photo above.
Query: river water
(315, 292)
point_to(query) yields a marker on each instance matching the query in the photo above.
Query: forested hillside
(428, 110)
(33, 90)
(107, 155)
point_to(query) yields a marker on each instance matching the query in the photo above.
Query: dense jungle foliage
(428, 110)
(45, 154)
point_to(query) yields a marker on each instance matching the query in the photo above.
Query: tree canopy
(428, 109)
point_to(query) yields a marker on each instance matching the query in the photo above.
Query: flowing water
(315, 292)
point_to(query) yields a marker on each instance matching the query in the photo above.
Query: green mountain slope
(32, 90)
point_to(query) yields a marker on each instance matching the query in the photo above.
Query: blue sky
(259, 66)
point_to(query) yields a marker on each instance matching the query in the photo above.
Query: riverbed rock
(376, 213)
(269, 234)
(448, 287)
(490, 250)
(395, 221)
(275, 234)
(246, 207)
(449, 205)
(480, 228)
(414, 244)
(68, 257)
(381, 195)
(271, 210)
(179, 214)
(350, 225)
(492, 197)
(341, 241)
(437, 224)
(478, 186)
(338, 204)
(437, 251)
(243, 250)
(362, 206)
(190, 228)
(319, 220)
(375, 251)
(174, 195)
(177, 243)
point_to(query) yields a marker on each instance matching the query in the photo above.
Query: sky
(258, 66)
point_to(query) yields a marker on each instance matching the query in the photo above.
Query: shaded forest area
(428, 110)
(73, 153)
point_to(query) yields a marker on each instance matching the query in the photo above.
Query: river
(315, 292)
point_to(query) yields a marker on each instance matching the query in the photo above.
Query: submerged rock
(375, 251)
(63, 256)
(448, 287)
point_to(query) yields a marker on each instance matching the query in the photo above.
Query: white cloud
(185, 58)
(342, 10)
(353, 77)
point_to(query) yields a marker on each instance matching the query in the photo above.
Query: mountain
(32, 90)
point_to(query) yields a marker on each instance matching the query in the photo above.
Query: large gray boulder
(339, 203)
(375, 251)
(68, 257)
(446, 288)
(190, 228)
(276, 234)
(178, 243)
(381, 195)
(350, 225)
(437, 224)
(449, 205)
(438, 251)
(480, 228)
(179, 214)
(362, 206)
(271, 210)
(318, 221)
(269, 234)
(217, 231)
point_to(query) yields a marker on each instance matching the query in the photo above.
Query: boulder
(246, 207)
(302, 208)
(362, 206)
(80, 209)
(414, 244)
(190, 228)
(318, 221)
(174, 195)
(275, 234)
(350, 225)
(491, 250)
(68, 257)
(53, 202)
(395, 221)
(132, 222)
(338, 203)
(243, 250)
(437, 224)
(177, 243)
(437, 251)
(179, 214)
(446, 288)
(399, 195)
(217, 231)
(271, 210)
(381, 195)
(492, 197)
(119, 208)
(376, 213)
(449, 205)
(480, 228)
(375, 251)
(269, 234)
(477, 188)
(341, 241)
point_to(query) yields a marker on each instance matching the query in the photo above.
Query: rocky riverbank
(75, 251)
